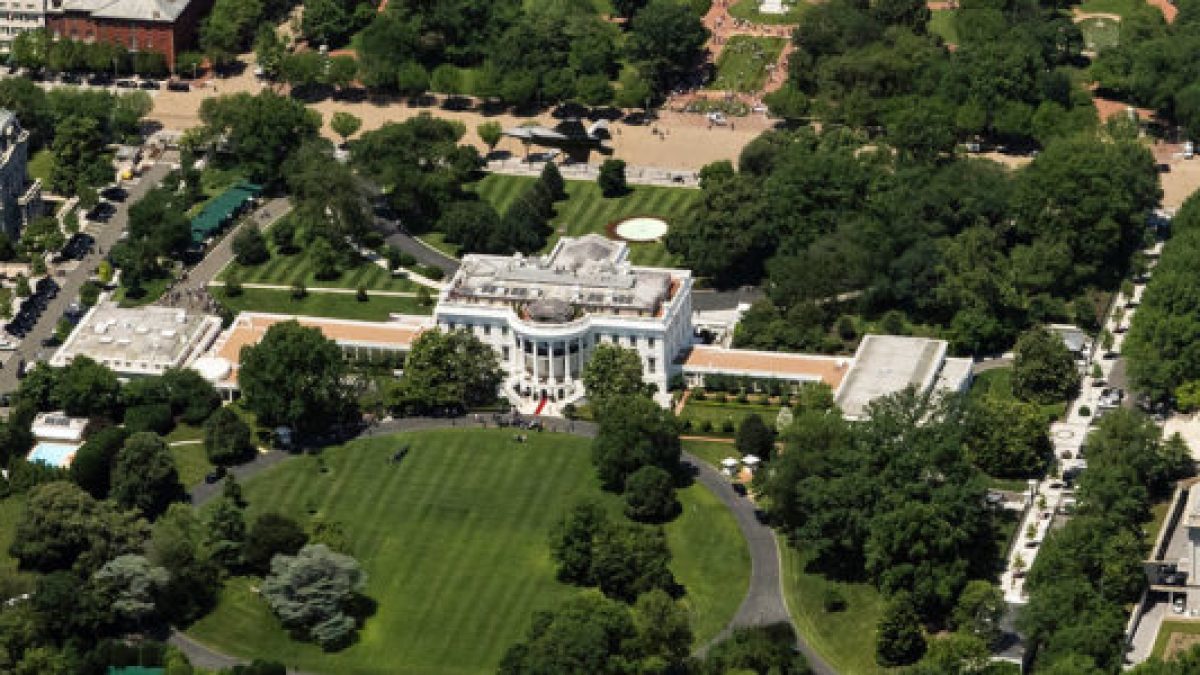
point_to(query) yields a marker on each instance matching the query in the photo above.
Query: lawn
(716, 414)
(1169, 628)
(39, 166)
(585, 210)
(285, 270)
(332, 305)
(710, 451)
(743, 63)
(998, 382)
(942, 23)
(151, 290)
(1158, 515)
(191, 463)
(454, 544)
(748, 10)
(845, 639)
(1100, 34)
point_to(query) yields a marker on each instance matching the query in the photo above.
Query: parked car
(150, 85)
(127, 84)
(177, 85)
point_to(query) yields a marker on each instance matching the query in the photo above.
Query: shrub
(361, 294)
(832, 599)
(727, 426)
(299, 291)
(1085, 411)
(706, 426)
(155, 417)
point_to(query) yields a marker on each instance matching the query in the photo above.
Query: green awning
(221, 208)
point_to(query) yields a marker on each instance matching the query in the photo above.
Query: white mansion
(544, 315)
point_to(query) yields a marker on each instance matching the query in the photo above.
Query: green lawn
(748, 10)
(1169, 627)
(191, 462)
(1100, 34)
(585, 210)
(998, 382)
(438, 241)
(697, 412)
(710, 451)
(454, 543)
(332, 305)
(845, 639)
(1158, 515)
(743, 63)
(39, 166)
(942, 23)
(151, 290)
(285, 270)
(185, 432)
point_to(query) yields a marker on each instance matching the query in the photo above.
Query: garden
(454, 543)
(743, 63)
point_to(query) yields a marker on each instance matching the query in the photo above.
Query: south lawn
(586, 210)
(454, 540)
(285, 270)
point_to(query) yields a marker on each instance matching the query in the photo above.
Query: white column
(534, 346)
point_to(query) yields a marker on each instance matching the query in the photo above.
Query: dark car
(150, 84)
(98, 79)
(101, 212)
(215, 475)
(176, 85)
(114, 193)
(127, 84)
(72, 78)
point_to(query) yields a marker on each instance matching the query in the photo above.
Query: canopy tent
(221, 209)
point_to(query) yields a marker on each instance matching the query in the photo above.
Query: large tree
(227, 438)
(79, 159)
(259, 131)
(272, 534)
(1043, 369)
(144, 476)
(446, 370)
(634, 432)
(665, 39)
(295, 377)
(85, 388)
(63, 527)
(587, 634)
(312, 593)
(611, 372)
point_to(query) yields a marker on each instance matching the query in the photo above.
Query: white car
(1180, 604)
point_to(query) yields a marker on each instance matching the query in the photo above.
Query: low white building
(19, 16)
(545, 315)
(139, 341)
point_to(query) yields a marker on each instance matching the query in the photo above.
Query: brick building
(164, 26)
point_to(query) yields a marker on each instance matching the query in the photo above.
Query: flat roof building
(139, 341)
(887, 364)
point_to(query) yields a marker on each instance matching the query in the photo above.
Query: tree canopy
(445, 371)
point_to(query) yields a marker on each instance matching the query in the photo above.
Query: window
(632, 340)
(504, 331)
(487, 329)
(649, 365)
(650, 342)
(506, 353)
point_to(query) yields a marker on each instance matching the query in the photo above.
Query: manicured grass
(942, 23)
(1100, 34)
(586, 211)
(697, 412)
(285, 270)
(1169, 627)
(1158, 515)
(332, 305)
(39, 166)
(185, 432)
(845, 639)
(710, 451)
(748, 10)
(191, 463)
(454, 543)
(152, 290)
(743, 63)
(998, 382)
(438, 241)
(1009, 484)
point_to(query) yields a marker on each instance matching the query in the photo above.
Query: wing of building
(164, 26)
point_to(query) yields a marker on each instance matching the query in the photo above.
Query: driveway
(106, 234)
(219, 256)
(763, 604)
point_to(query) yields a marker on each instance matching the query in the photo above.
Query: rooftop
(590, 272)
(886, 364)
(142, 340)
(827, 369)
(138, 10)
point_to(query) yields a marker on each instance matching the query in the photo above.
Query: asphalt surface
(762, 605)
(219, 256)
(105, 234)
(397, 236)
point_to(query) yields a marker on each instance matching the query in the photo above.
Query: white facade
(19, 16)
(544, 316)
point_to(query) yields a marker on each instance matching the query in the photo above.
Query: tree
(662, 626)
(612, 372)
(899, 641)
(586, 634)
(152, 417)
(269, 51)
(64, 527)
(260, 131)
(630, 559)
(144, 476)
(979, 611)
(446, 79)
(1043, 370)
(86, 388)
(650, 495)
(1007, 438)
(759, 649)
(270, 535)
(283, 233)
(192, 397)
(955, 653)
(93, 461)
(634, 432)
(345, 125)
(612, 178)
(490, 133)
(250, 247)
(412, 79)
(553, 181)
(312, 593)
(294, 377)
(754, 437)
(177, 544)
(665, 39)
(326, 22)
(445, 371)
(473, 225)
(22, 286)
(573, 539)
(130, 585)
(79, 159)
(227, 438)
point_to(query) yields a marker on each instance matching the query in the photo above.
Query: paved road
(106, 234)
(426, 255)
(763, 604)
(215, 260)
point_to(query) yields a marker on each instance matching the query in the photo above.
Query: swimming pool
(54, 454)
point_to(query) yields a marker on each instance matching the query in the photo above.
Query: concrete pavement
(105, 234)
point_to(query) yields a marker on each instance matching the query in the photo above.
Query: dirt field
(687, 142)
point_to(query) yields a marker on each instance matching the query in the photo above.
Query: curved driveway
(763, 604)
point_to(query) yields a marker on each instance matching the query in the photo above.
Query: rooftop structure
(139, 341)
(129, 10)
(56, 426)
(704, 360)
(359, 339)
(887, 364)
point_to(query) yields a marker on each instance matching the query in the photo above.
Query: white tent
(751, 460)
(729, 462)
